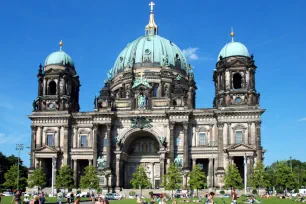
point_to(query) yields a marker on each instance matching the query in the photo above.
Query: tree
(140, 179)
(11, 177)
(37, 178)
(173, 178)
(232, 178)
(197, 178)
(283, 176)
(64, 179)
(259, 177)
(90, 179)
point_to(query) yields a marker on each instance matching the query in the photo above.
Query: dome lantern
(151, 28)
(233, 49)
(59, 58)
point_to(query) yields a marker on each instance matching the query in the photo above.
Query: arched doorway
(141, 147)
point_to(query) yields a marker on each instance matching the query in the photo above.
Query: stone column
(185, 176)
(108, 153)
(33, 143)
(249, 133)
(66, 146)
(118, 177)
(162, 165)
(89, 162)
(41, 136)
(58, 144)
(153, 183)
(246, 136)
(75, 136)
(233, 136)
(220, 169)
(94, 145)
(248, 166)
(194, 162)
(172, 142)
(193, 136)
(210, 172)
(258, 141)
(186, 146)
(75, 171)
(225, 136)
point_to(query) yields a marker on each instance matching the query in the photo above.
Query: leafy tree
(232, 178)
(173, 178)
(37, 178)
(64, 179)
(140, 179)
(197, 178)
(90, 179)
(11, 177)
(283, 176)
(259, 177)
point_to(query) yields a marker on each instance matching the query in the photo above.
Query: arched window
(237, 81)
(52, 88)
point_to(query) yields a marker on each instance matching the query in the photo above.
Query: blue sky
(95, 31)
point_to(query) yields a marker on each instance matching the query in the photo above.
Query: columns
(109, 141)
(226, 135)
(233, 135)
(172, 143)
(258, 141)
(66, 146)
(210, 173)
(75, 171)
(248, 166)
(220, 149)
(186, 146)
(118, 177)
(246, 136)
(194, 162)
(41, 137)
(162, 165)
(89, 162)
(185, 176)
(33, 142)
(58, 139)
(75, 137)
(249, 133)
(94, 145)
(152, 181)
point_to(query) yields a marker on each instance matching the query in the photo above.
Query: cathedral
(146, 114)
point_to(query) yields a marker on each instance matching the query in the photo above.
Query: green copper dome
(149, 51)
(59, 58)
(234, 49)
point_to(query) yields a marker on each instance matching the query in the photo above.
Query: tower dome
(234, 49)
(150, 50)
(59, 58)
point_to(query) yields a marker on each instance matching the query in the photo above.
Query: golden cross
(152, 4)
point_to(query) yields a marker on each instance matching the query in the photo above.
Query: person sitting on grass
(210, 198)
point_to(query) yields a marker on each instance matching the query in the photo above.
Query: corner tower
(58, 84)
(234, 77)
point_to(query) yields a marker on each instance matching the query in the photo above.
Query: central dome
(150, 51)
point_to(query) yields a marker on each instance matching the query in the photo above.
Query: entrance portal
(239, 161)
(141, 148)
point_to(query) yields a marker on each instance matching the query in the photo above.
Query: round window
(147, 51)
(238, 100)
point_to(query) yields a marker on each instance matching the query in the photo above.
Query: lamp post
(19, 147)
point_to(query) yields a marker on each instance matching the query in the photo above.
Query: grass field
(7, 200)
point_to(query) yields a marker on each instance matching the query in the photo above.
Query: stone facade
(146, 114)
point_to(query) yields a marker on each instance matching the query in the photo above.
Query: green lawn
(7, 200)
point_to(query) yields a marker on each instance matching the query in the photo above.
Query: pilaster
(172, 143)
(108, 153)
(258, 141)
(186, 145)
(66, 146)
(33, 142)
(220, 169)
(95, 143)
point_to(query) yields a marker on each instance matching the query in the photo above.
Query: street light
(19, 147)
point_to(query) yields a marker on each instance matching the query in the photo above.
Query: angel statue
(118, 140)
(178, 162)
(101, 162)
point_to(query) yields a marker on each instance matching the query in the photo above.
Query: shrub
(151, 193)
(254, 191)
(132, 193)
(222, 192)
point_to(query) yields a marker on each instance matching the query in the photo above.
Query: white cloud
(191, 53)
(303, 119)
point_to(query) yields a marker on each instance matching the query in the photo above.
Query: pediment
(240, 147)
(46, 149)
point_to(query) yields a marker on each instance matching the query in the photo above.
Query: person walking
(234, 197)
(16, 198)
(77, 201)
(92, 196)
(210, 198)
(42, 198)
(100, 201)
